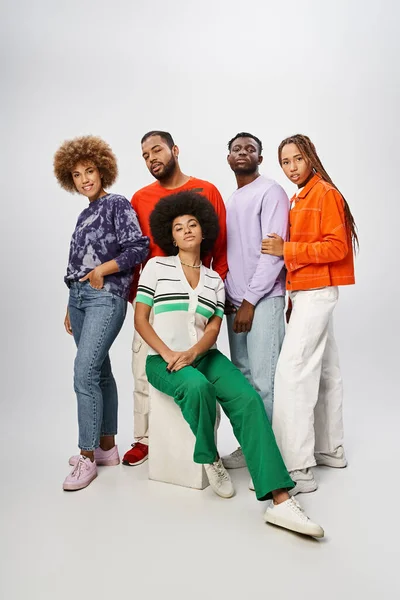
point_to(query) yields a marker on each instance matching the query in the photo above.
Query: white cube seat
(171, 444)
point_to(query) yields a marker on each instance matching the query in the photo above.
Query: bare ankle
(107, 442)
(88, 454)
(280, 496)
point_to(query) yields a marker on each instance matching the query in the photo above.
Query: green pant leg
(196, 398)
(246, 412)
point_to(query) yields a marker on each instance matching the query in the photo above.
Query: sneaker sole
(108, 463)
(293, 526)
(74, 487)
(303, 488)
(135, 464)
(218, 493)
(340, 463)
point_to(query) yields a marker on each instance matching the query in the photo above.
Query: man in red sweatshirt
(161, 156)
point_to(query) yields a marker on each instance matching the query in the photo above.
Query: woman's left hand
(273, 244)
(181, 359)
(96, 279)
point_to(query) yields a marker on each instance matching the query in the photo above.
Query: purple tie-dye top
(107, 229)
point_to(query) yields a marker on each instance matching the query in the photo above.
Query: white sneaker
(304, 481)
(335, 459)
(235, 460)
(251, 485)
(219, 479)
(290, 515)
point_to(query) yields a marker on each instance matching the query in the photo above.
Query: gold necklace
(192, 266)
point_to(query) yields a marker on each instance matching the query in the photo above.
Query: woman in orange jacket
(307, 417)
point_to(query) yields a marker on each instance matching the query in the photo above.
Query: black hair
(183, 203)
(167, 137)
(248, 135)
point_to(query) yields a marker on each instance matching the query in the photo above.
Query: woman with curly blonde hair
(105, 247)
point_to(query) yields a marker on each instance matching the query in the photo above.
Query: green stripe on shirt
(204, 311)
(171, 307)
(144, 299)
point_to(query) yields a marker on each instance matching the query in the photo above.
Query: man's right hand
(67, 323)
(244, 318)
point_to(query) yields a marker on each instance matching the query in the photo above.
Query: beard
(166, 171)
(245, 170)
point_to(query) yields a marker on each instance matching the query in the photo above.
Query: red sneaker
(136, 455)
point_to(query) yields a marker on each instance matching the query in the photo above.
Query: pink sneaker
(81, 475)
(103, 458)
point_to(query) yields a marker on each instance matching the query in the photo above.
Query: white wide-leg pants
(308, 385)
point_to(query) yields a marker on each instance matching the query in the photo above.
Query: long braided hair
(309, 153)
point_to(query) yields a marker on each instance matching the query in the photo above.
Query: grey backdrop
(203, 71)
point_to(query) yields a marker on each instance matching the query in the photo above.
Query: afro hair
(86, 149)
(176, 205)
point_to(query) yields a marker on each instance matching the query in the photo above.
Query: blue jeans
(96, 318)
(256, 353)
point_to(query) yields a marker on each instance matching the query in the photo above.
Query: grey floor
(125, 535)
(117, 70)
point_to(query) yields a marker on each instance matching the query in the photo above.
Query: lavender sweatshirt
(252, 212)
(107, 229)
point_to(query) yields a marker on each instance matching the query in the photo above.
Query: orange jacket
(144, 201)
(320, 251)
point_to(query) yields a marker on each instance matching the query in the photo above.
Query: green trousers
(196, 390)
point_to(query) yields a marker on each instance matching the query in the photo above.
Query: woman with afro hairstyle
(183, 362)
(105, 247)
(319, 257)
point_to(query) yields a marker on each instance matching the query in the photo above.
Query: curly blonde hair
(87, 148)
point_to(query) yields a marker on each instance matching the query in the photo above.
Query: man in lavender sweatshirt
(255, 284)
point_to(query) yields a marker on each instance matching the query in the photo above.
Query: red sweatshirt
(144, 201)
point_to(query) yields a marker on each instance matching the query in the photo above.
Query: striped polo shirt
(180, 312)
